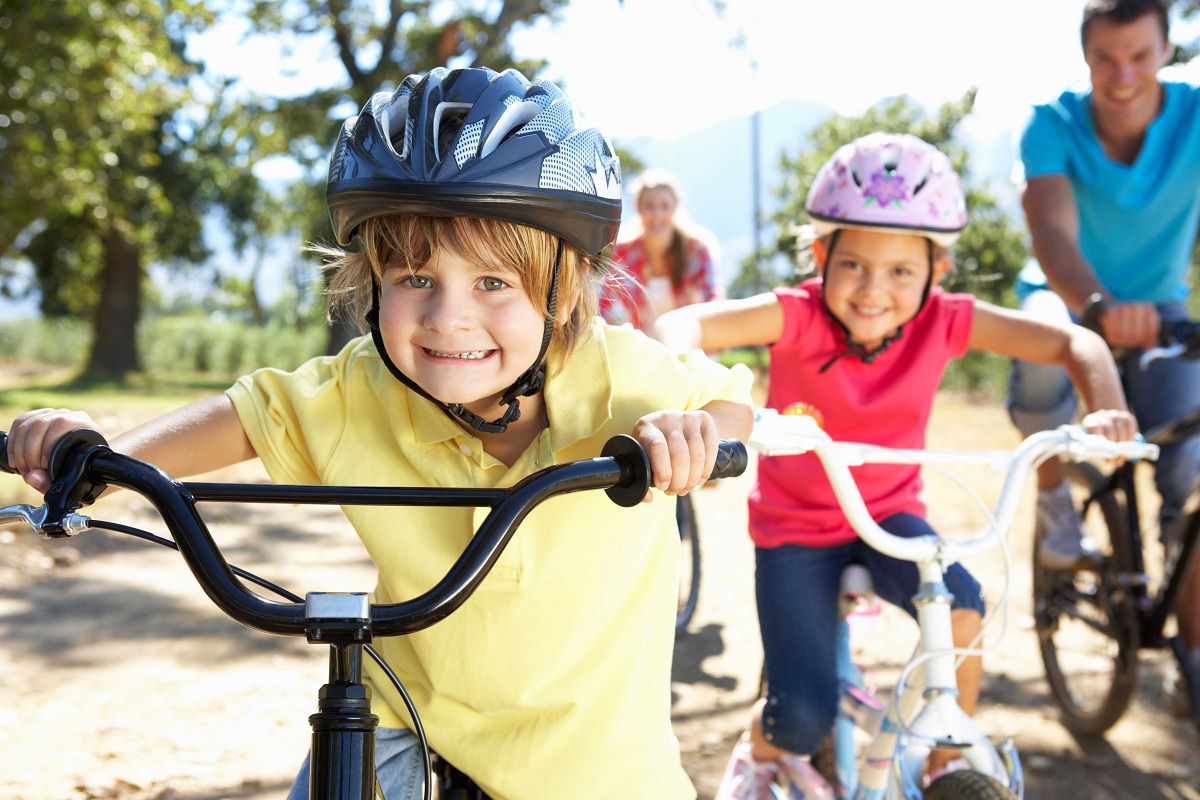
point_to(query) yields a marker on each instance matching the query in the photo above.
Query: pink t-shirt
(886, 402)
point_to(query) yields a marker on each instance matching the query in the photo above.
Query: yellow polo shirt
(553, 679)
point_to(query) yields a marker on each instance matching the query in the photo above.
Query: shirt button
(464, 448)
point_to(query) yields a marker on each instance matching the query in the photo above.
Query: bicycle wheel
(1086, 619)
(967, 785)
(689, 562)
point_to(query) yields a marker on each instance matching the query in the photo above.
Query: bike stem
(342, 763)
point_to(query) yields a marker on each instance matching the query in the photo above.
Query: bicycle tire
(689, 562)
(1100, 601)
(968, 785)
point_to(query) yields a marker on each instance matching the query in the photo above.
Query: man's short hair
(1123, 12)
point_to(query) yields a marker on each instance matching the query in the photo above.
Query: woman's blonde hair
(410, 242)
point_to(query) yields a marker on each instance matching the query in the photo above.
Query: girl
(666, 265)
(864, 346)
(479, 207)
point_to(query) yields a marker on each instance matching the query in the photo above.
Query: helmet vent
(393, 121)
(510, 120)
(447, 122)
(917, 189)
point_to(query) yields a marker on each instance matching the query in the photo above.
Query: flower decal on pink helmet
(884, 188)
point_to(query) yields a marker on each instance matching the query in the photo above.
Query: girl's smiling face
(463, 331)
(874, 281)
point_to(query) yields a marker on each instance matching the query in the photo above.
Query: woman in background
(667, 265)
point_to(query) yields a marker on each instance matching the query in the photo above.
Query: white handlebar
(778, 434)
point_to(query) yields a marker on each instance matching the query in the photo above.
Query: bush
(173, 345)
(59, 342)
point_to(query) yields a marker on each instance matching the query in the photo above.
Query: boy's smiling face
(874, 281)
(463, 331)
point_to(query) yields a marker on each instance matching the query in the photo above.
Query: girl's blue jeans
(797, 589)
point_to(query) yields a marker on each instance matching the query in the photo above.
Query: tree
(102, 171)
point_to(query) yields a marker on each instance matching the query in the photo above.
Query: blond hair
(412, 241)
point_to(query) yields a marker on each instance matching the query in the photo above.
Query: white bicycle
(923, 713)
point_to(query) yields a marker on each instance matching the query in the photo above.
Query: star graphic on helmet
(606, 178)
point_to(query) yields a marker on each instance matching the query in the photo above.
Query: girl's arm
(721, 324)
(1082, 353)
(200, 437)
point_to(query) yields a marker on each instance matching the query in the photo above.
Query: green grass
(141, 397)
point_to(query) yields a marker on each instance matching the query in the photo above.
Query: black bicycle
(343, 739)
(1093, 621)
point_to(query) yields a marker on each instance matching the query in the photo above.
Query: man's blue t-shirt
(1137, 222)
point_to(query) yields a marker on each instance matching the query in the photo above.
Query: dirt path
(120, 680)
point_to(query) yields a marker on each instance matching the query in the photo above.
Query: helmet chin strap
(529, 382)
(858, 349)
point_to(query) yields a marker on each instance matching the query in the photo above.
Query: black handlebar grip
(731, 459)
(4, 465)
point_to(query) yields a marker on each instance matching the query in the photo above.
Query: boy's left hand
(1120, 426)
(682, 447)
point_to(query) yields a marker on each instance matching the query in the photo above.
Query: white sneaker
(1064, 544)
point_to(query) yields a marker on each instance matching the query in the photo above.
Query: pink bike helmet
(889, 181)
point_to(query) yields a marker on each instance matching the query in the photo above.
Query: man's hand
(1130, 325)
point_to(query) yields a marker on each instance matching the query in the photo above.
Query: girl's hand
(682, 447)
(33, 436)
(1120, 426)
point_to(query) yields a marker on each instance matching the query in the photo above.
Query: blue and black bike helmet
(477, 143)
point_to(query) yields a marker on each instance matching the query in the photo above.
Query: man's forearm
(1067, 271)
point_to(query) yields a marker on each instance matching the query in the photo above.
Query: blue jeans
(397, 765)
(1042, 397)
(797, 589)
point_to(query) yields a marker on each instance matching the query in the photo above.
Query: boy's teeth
(473, 354)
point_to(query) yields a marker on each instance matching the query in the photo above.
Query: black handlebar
(81, 463)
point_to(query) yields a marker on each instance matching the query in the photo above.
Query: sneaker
(745, 778)
(802, 779)
(1064, 545)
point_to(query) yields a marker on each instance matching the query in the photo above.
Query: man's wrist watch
(1097, 303)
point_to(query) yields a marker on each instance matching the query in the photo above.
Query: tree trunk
(114, 343)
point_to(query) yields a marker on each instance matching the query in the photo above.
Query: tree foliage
(103, 171)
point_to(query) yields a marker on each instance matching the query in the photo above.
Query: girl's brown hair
(411, 241)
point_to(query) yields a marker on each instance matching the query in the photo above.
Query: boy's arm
(1082, 353)
(199, 437)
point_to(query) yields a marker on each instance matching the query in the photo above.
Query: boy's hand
(33, 436)
(682, 447)
(1120, 426)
